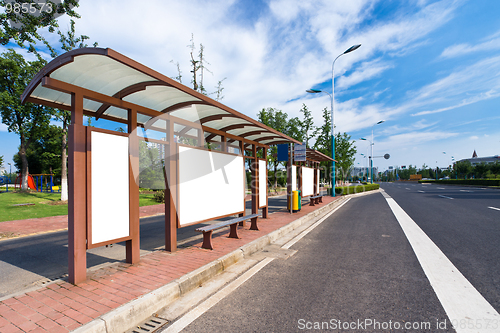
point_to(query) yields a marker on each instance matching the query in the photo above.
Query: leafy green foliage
(44, 153)
(27, 35)
(356, 189)
(307, 128)
(480, 182)
(159, 196)
(345, 152)
(27, 120)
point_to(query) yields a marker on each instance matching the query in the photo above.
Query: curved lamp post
(371, 144)
(332, 97)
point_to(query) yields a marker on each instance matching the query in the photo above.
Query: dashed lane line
(444, 196)
(460, 300)
(494, 208)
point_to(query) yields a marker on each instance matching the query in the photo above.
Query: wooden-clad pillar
(77, 196)
(255, 181)
(132, 247)
(315, 179)
(171, 191)
(242, 153)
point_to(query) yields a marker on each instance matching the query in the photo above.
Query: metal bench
(233, 225)
(315, 200)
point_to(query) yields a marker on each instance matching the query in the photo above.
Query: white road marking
(421, 191)
(195, 313)
(407, 188)
(192, 315)
(466, 191)
(444, 196)
(461, 301)
(441, 188)
(494, 208)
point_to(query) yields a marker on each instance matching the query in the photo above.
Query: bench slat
(226, 223)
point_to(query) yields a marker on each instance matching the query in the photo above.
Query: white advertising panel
(294, 178)
(307, 181)
(262, 183)
(110, 187)
(317, 180)
(211, 185)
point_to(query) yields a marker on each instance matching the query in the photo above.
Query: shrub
(159, 196)
(480, 182)
(343, 190)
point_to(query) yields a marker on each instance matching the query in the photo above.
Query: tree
(307, 127)
(495, 169)
(198, 65)
(69, 42)
(1, 161)
(277, 120)
(23, 29)
(345, 151)
(323, 142)
(480, 170)
(27, 120)
(463, 168)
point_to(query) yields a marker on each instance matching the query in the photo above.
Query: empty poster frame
(109, 214)
(307, 181)
(262, 183)
(211, 185)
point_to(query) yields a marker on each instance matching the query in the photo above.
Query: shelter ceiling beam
(129, 91)
(69, 88)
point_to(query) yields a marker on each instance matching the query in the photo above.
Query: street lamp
(369, 160)
(332, 97)
(371, 144)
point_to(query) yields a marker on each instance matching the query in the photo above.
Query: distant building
(363, 171)
(478, 160)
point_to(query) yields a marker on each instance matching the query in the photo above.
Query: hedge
(480, 182)
(343, 190)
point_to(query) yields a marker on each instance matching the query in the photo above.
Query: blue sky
(430, 69)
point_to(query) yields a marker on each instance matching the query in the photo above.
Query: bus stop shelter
(205, 145)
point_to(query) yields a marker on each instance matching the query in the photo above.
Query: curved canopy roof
(111, 74)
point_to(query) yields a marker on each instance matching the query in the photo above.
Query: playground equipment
(35, 182)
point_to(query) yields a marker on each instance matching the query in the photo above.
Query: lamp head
(352, 48)
(362, 139)
(313, 91)
(380, 122)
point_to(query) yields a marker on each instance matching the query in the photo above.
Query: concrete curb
(124, 317)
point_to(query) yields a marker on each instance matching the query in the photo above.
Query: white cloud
(364, 72)
(474, 137)
(490, 43)
(465, 86)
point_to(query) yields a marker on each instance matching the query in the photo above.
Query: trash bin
(295, 201)
(300, 200)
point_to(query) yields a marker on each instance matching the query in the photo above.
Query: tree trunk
(64, 170)
(24, 165)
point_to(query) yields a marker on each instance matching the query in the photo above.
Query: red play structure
(37, 184)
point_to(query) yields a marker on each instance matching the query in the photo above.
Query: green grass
(45, 204)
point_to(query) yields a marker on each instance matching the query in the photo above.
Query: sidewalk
(28, 227)
(62, 307)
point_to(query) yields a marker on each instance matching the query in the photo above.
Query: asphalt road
(29, 262)
(459, 221)
(357, 268)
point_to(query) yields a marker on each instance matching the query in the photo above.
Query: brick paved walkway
(62, 307)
